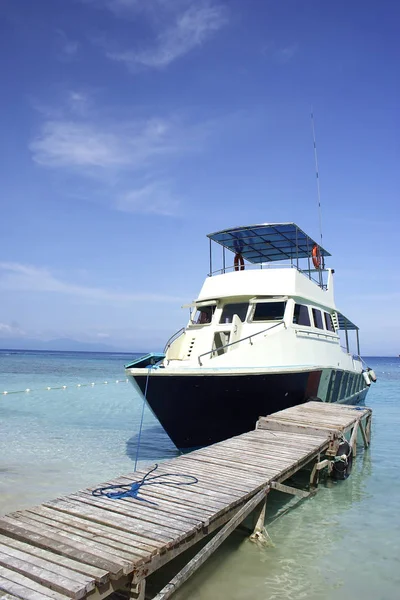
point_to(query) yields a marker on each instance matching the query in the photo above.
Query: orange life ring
(316, 256)
(238, 262)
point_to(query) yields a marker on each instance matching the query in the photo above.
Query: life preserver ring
(316, 256)
(238, 262)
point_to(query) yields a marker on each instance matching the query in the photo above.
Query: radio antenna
(317, 175)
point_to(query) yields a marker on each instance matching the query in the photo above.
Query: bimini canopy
(267, 242)
(345, 323)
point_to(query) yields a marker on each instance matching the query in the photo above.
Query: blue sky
(130, 129)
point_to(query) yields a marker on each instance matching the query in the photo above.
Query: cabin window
(204, 315)
(301, 316)
(229, 310)
(329, 322)
(317, 318)
(269, 311)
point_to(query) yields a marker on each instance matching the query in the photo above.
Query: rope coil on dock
(132, 490)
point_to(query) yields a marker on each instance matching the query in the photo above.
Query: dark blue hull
(198, 410)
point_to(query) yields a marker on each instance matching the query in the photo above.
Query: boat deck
(80, 546)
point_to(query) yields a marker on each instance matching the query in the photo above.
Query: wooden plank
(202, 489)
(286, 439)
(125, 558)
(99, 575)
(165, 498)
(122, 543)
(212, 503)
(240, 470)
(353, 439)
(286, 489)
(118, 518)
(209, 548)
(207, 493)
(258, 449)
(86, 583)
(90, 529)
(220, 482)
(149, 520)
(23, 587)
(263, 446)
(190, 501)
(249, 461)
(107, 514)
(218, 478)
(267, 455)
(363, 433)
(280, 425)
(59, 545)
(249, 478)
(180, 518)
(54, 581)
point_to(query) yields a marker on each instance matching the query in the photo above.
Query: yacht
(264, 334)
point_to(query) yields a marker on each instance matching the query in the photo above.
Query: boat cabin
(277, 283)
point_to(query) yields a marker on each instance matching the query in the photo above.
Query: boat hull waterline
(199, 410)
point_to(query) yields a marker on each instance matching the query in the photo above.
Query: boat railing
(173, 338)
(274, 265)
(248, 337)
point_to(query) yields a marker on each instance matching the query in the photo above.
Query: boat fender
(366, 378)
(343, 462)
(372, 375)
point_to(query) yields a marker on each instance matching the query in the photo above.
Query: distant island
(61, 345)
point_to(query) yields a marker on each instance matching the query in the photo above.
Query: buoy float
(316, 256)
(238, 262)
(366, 378)
(343, 462)
(372, 376)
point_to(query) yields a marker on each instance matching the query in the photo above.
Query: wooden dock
(81, 546)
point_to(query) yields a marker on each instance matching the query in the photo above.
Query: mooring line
(63, 387)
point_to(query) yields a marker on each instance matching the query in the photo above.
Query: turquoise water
(56, 441)
(343, 543)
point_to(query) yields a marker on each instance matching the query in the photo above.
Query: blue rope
(141, 419)
(132, 490)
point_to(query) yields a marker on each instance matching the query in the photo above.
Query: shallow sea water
(343, 543)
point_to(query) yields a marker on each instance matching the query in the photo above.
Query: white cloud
(286, 53)
(73, 143)
(13, 329)
(27, 278)
(153, 198)
(190, 29)
(68, 47)
(78, 102)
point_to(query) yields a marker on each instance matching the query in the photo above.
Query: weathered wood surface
(314, 418)
(80, 545)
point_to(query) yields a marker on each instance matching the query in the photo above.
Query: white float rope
(64, 387)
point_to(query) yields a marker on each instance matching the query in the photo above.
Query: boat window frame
(229, 303)
(328, 318)
(307, 306)
(255, 301)
(197, 307)
(314, 308)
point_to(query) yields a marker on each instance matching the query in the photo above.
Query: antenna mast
(317, 175)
